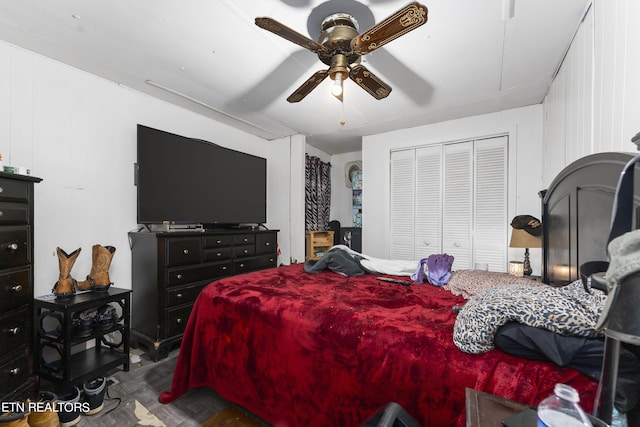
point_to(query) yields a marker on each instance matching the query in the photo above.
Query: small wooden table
(487, 410)
(317, 243)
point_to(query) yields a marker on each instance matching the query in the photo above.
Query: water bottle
(562, 409)
(618, 419)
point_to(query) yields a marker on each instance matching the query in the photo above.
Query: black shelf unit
(75, 368)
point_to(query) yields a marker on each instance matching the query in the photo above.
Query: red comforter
(298, 349)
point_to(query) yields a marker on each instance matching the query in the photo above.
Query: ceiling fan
(341, 47)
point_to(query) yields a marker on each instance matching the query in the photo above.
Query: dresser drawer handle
(12, 246)
(267, 244)
(245, 240)
(179, 276)
(14, 371)
(14, 331)
(241, 265)
(218, 242)
(16, 288)
(1, 213)
(179, 296)
(219, 254)
(246, 251)
(224, 268)
(179, 320)
(271, 259)
(185, 251)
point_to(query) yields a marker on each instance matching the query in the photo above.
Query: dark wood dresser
(169, 269)
(17, 379)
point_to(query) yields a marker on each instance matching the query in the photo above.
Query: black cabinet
(169, 269)
(351, 237)
(60, 325)
(17, 378)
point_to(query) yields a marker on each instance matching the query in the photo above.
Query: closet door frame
(429, 204)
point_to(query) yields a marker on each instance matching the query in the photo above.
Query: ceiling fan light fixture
(336, 89)
(338, 73)
(341, 47)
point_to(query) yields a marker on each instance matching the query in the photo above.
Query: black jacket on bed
(580, 353)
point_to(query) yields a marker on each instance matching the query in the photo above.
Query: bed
(299, 349)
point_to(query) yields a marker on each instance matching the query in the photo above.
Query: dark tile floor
(133, 398)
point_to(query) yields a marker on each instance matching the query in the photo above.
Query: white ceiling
(466, 60)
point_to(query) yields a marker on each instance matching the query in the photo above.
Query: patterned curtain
(317, 200)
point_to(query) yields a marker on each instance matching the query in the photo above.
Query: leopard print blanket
(567, 310)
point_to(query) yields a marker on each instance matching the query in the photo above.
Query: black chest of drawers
(17, 379)
(169, 269)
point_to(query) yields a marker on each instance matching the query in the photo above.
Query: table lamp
(522, 239)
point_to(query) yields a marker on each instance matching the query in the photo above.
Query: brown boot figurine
(47, 417)
(65, 287)
(14, 419)
(98, 278)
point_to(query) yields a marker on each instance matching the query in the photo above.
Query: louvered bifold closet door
(490, 218)
(458, 204)
(428, 214)
(401, 233)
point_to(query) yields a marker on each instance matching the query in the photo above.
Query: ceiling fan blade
(291, 35)
(369, 82)
(406, 19)
(306, 87)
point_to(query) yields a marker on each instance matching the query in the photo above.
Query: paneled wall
(593, 104)
(78, 132)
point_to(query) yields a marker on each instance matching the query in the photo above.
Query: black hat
(528, 223)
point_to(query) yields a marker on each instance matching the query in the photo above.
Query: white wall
(296, 209)
(313, 151)
(77, 132)
(524, 129)
(593, 104)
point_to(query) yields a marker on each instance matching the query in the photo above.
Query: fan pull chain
(342, 122)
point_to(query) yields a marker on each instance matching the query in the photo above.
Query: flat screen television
(183, 180)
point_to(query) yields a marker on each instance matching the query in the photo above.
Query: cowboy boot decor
(98, 278)
(65, 287)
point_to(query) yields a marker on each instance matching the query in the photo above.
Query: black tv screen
(182, 180)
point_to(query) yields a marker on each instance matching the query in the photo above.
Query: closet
(451, 198)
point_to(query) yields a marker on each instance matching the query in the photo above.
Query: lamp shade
(522, 239)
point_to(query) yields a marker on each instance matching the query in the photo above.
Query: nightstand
(486, 410)
(317, 243)
(54, 326)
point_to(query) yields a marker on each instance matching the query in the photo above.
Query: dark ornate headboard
(576, 214)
